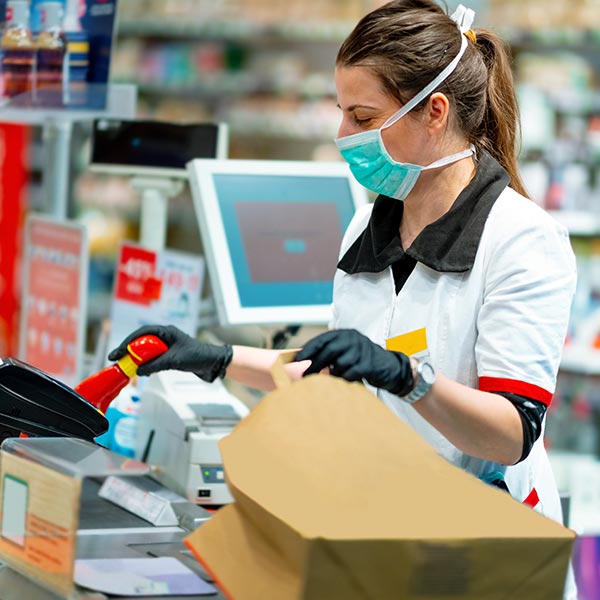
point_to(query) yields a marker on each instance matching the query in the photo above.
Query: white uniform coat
(495, 309)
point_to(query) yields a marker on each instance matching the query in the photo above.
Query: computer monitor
(271, 232)
(154, 148)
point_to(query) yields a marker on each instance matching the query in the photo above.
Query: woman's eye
(361, 122)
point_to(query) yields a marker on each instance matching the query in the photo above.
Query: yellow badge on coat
(411, 343)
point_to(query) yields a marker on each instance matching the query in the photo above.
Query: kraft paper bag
(337, 498)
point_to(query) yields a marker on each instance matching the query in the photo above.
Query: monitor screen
(272, 232)
(154, 147)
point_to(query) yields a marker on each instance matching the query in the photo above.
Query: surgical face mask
(366, 154)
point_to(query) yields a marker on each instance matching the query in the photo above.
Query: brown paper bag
(337, 498)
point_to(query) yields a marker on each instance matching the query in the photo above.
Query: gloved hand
(354, 357)
(185, 353)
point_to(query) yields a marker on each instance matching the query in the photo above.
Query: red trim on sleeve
(533, 499)
(513, 386)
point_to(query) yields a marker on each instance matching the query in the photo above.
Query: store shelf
(578, 223)
(181, 29)
(564, 38)
(235, 85)
(206, 87)
(310, 127)
(580, 102)
(121, 103)
(582, 360)
(241, 31)
(561, 38)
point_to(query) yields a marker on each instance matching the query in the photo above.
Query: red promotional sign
(136, 280)
(54, 303)
(155, 287)
(13, 182)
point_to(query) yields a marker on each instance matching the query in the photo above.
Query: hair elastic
(471, 35)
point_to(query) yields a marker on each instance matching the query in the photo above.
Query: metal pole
(153, 220)
(154, 210)
(57, 136)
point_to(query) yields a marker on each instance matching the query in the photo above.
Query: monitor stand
(155, 193)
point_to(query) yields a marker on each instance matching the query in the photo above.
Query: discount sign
(155, 287)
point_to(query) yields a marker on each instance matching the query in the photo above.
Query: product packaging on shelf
(56, 53)
(122, 416)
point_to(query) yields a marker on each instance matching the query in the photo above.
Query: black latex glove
(185, 353)
(354, 357)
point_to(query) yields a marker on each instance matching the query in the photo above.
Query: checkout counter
(93, 503)
(106, 530)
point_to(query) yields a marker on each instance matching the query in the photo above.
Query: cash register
(181, 421)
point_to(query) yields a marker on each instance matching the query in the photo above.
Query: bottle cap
(52, 14)
(17, 12)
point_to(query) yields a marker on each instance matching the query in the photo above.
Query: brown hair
(407, 43)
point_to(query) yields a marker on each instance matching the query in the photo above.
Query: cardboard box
(336, 498)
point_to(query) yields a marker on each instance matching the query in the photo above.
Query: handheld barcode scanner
(34, 404)
(102, 387)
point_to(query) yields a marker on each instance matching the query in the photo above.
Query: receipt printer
(181, 421)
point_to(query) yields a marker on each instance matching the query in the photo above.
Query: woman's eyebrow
(355, 106)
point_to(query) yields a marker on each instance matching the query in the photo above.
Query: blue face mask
(366, 154)
(376, 170)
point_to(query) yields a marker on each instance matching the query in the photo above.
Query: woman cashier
(453, 290)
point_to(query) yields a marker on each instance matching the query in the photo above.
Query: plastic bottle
(51, 48)
(18, 50)
(77, 59)
(122, 416)
(101, 388)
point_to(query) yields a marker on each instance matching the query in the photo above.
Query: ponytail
(499, 132)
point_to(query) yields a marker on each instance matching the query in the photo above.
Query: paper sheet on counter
(140, 577)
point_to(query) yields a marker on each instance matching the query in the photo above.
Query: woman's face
(366, 105)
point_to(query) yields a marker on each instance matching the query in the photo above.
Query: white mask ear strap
(451, 159)
(464, 19)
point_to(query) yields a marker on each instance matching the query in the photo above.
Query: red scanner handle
(146, 348)
(101, 388)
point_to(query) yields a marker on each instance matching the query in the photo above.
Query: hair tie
(471, 35)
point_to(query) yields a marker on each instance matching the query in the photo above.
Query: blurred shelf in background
(581, 360)
(579, 223)
(236, 30)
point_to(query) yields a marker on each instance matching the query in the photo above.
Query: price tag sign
(136, 280)
(40, 513)
(54, 301)
(155, 287)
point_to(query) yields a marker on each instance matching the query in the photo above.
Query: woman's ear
(437, 113)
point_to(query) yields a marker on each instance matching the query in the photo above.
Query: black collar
(447, 245)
